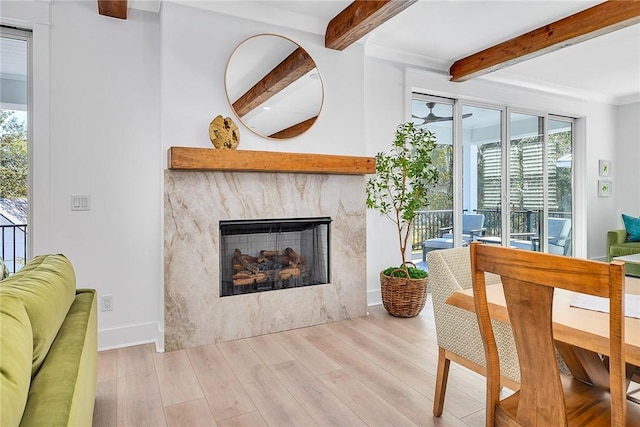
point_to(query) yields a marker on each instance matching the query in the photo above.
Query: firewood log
(265, 254)
(244, 278)
(295, 259)
(240, 259)
(288, 273)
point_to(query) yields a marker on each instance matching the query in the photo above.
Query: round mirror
(273, 86)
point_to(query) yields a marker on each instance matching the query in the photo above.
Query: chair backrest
(457, 329)
(529, 279)
(472, 222)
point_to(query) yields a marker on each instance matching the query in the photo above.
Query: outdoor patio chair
(559, 232)
(472, 227)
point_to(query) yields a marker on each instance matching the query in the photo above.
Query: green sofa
(617, 245)
(48, 346)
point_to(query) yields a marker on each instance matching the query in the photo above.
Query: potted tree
(401, 186)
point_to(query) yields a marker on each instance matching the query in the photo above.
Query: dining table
(581, 335)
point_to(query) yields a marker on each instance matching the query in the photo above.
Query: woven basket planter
(403, 297)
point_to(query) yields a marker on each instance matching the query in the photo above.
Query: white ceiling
(432, 34)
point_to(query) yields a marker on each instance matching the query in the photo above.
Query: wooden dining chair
(457, 329)
(547, 398)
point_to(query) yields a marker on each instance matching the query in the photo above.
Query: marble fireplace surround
(196, 200)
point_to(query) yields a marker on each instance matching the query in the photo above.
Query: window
(14, 182)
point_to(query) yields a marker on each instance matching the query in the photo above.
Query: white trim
(374, 297)
(146, 5)
(580, 199)
(487, 92)
(34, 16)
(505, 195)
(267, 14)
(458, 179)
(26, 36)
(424, 62)
(39, 116)
(629, 99)
(131, 335)
(549, 88)
(544, 219)
(24, 14)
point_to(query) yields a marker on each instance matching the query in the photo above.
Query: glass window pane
(13, 149)
(560, 143)
(437, 117)
(526, 182)
(482, 166)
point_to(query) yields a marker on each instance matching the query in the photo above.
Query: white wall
(96, 131)
(626, 163)
(105, 142)
(385, 108)
(111, 96)
(196, 46)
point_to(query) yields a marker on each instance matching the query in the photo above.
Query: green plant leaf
(404, 180)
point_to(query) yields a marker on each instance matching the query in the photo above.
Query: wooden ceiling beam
(288, 71)
(598, 20)
(359, 19)
(350, 25)
(113, 8)
(294, 130)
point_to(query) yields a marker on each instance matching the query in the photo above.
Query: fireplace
(270, 254)
(198, 202)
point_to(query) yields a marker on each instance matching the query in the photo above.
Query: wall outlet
(107, 303)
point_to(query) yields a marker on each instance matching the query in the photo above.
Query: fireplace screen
(267, 254)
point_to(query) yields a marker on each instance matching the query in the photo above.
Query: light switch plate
(80, 202)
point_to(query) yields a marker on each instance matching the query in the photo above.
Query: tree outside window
(13, 157)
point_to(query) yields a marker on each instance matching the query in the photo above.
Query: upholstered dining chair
(546, 398)
(457, 329)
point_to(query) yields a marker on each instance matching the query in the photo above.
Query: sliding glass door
(512, 169)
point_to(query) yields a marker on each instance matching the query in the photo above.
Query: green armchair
(617, 245)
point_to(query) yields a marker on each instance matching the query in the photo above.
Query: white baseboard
(374, 297)
(131, 335)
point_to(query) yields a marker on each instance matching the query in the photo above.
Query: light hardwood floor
(376, 370)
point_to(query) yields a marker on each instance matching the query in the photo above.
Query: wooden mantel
(211, 159)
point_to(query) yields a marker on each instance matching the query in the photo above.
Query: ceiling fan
(430, 118)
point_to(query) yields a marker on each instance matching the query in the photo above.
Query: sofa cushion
(64, 389)
(16, 351)
(47, 288)
(632, 225)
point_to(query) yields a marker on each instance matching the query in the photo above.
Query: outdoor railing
(13, 249)
(427, 223)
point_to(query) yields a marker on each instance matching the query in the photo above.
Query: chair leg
(442, 376)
